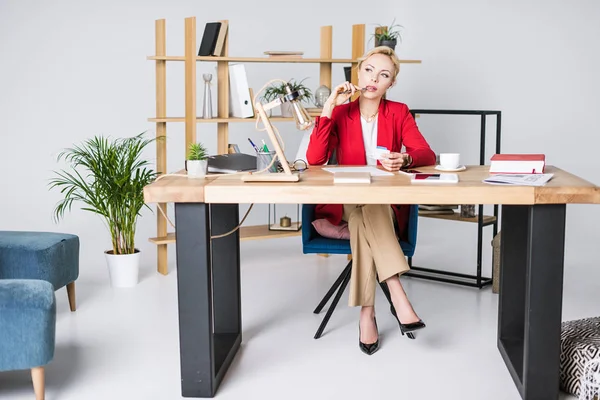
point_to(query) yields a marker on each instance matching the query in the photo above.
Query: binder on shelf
(231, 163)
(240, 103)
(209, 39)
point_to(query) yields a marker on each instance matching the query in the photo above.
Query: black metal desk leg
(530, 304)
(208, 285)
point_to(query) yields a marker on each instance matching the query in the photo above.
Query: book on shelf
(220, 43)
(286, 54)
(209, 39)
(438, 207)
(517, 164)
(435, 212)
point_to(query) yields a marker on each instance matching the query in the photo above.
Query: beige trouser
(375, 250)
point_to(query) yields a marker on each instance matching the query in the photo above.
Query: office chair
(313, 243)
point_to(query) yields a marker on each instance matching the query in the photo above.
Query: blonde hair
(385, 51)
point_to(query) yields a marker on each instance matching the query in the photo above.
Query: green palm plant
(108, 177)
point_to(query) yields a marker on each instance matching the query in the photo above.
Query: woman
(353, 131)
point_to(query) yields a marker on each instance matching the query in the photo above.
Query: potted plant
(108, 177)
(278, 89)
(388, 36)
(197, 163)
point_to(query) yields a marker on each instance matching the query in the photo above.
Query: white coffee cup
(449, 160)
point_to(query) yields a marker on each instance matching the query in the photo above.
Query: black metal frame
(530, 303)
(477, 280)
(529, 309)
(340, 285)
(210, 317)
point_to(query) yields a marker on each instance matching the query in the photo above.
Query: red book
(517, 164)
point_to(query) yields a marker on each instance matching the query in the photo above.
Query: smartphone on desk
(409, 171)
(434, 178)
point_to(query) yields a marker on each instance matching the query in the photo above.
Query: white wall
(74, 69)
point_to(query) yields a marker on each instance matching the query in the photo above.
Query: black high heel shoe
(370, 348)
(408, 328)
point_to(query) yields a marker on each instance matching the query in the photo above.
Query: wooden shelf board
(270, 59)
(170, 238)
(221, 120)
(487, 219)
(253, 232)
(166, 58)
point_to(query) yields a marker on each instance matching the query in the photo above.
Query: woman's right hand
(339, 95)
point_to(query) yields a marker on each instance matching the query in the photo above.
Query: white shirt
(369, 131)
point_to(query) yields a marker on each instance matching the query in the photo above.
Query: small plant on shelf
(388, 36)
(278, 89)
(197, 161)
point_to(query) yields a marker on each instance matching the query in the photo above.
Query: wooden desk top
(316, 186)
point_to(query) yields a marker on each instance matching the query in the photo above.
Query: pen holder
(263, 159)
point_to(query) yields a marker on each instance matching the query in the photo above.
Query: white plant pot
(123, 268)
(286, 109)
(197, 168)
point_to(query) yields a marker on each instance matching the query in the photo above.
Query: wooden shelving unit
(253, 232)
(190, 119)
(487, 219)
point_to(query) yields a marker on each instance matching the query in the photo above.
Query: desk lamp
(303, 122)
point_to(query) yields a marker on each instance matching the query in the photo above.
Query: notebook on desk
(231, 163)
(351, 177)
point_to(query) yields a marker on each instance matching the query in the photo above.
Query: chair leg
(71, 294)
(37, 375)
(386, 292)
(334, 303)
(335, 285)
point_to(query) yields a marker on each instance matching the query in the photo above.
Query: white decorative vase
(197, 168)
(123, 268)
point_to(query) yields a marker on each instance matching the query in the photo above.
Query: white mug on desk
(449, 160)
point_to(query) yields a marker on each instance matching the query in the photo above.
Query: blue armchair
(313, 243)
(47, 256)
(27, 327)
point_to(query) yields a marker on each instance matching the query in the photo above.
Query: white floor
(123, 344)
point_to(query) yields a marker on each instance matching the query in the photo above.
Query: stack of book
(517, 164)
(518, 169)
(433, 209)
(284, 54)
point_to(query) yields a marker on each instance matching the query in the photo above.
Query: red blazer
(342, 133)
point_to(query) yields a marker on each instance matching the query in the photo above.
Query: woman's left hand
(394, 161)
